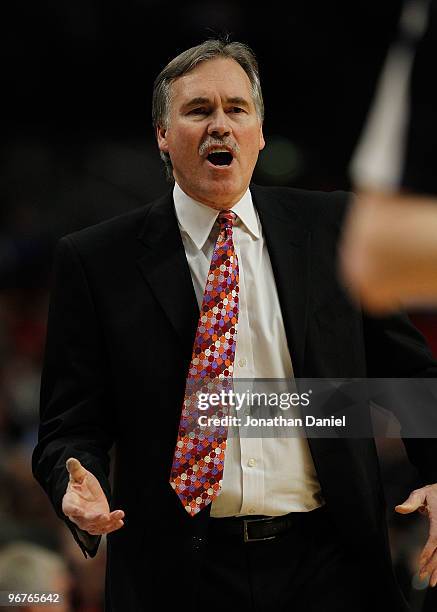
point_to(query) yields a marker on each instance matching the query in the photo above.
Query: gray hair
(187, 61)
(27, 568)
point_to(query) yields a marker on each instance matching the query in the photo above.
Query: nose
(219, 124)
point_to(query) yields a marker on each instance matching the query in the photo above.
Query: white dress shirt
(268, 476)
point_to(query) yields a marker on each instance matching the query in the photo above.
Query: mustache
(220, 142)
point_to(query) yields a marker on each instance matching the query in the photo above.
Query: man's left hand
(425, 501)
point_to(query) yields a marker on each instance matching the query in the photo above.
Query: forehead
(219, 76)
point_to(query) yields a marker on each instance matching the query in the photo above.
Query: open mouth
(220, 158)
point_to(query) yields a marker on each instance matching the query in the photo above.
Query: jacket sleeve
(76, 412)
(396, 349)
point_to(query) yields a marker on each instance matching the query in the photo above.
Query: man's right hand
(85, 503)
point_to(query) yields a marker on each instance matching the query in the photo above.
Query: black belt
(259, 528)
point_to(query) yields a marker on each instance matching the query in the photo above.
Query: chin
(223, 190)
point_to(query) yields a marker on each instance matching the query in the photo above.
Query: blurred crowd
(37, 552)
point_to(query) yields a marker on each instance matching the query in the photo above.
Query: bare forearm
(388, 255)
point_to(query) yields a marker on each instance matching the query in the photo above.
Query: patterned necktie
(198, 462)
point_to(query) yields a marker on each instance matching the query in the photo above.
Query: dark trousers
(304, 569)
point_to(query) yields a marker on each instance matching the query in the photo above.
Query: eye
(198, 111)
(237, 110)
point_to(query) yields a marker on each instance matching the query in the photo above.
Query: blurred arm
(388, 255)
(76, 406)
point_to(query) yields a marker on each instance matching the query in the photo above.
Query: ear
(262, 142)
(161, 137)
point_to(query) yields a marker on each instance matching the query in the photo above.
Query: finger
(76, 470)
(89, 526)
(87, 520)
(103, 521)
(413, 502)
(105, 530)
(428, 559)
(116, 514)
(92, 522)
(115, 527)
(433, 579)
(429, 551)
(104, 518)
(427, 570)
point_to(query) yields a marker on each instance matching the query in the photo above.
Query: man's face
(214, 134)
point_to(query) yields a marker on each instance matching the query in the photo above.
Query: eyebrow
(201, 100)
(238, 100)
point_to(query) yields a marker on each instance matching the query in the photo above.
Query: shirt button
(251, 462)
(242, 363)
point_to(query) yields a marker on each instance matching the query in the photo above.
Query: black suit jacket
(122, 321)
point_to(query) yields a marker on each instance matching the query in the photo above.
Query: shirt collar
(197, 219)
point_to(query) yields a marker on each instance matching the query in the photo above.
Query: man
(133, 303)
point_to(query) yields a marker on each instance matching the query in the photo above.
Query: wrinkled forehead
(217, 78)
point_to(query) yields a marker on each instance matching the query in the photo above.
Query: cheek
(249, 154)
(250, 144)
(185, 149)
(182, 151)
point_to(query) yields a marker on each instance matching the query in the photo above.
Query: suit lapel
(164, 265)
(165, 268)
(288, 243)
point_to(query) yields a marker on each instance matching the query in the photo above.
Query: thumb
(76, 470)
(414, 501)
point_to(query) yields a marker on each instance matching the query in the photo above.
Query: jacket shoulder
(125, 223)
(313, 207)
(119, 231)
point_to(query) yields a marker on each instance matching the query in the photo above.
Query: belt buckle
(246, 534)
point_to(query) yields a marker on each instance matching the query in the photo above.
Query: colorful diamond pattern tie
(198, 462)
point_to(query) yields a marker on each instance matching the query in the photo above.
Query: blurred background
(78, 147)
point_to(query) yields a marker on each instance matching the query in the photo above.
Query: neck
(220, 204)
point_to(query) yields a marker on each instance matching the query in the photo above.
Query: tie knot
(226, 219)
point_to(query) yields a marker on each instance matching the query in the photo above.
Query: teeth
(218, 151)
